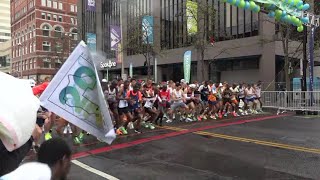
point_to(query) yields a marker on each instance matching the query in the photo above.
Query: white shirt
(178, 95)
(32, 171)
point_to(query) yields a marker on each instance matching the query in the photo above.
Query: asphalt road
(252, 147)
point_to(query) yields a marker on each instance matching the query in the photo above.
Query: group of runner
(146, 104)
(134, 105)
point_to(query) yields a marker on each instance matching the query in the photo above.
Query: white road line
(95, 171)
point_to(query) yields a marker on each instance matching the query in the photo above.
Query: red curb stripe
(163, 136)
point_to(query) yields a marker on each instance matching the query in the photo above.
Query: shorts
(247, 100)
(123, 111)
(177, 105)
(226, 100)
(40, 121)
(213, 103)
(165, 105)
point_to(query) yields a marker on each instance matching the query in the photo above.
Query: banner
(91, 5)
(192, 15)
(187, 66)
(92, 41)
(147, 29)
(76, 95)
(119, 54)
(115, 37)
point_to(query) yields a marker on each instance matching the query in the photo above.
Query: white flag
(76, 95)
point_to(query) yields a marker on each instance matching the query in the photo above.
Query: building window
(60, 6)
(46, 63)
(60, 18)
(30, 64)
(54, 17)
(55, 4)
(59, 47)
(49, 4)
(34, 30)
(72, 20)
(30, 33)
(34, 63)
(43, 15)
(43, 2)
(57, 63)
(74, 34)
(30, 47)
(49, 16)
(72, 8)
(46, 30)
(26, 50)
(26, 65)
(34, 46)
(46, 46)
(76, 9)
(58, 31)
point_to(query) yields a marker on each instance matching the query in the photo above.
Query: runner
(135, 102)
(164, 104)
(178, 101)
(123, 109)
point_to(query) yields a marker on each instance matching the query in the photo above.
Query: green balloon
(300, 28)
(289, 1)
(296, 2)
(252, 5)
(278, 13)
(242, 4)
(233, 2)
(300, 7)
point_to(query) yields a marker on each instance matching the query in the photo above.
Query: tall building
(44, 32)
(5, 36)
(246, 45)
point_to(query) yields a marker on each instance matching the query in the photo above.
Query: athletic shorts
(166, 105)
(249, 100)
(213, 103)
(123, 111)
(177, 105)
(40, 121)
(226, 100)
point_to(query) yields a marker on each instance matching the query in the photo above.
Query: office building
(5, 36)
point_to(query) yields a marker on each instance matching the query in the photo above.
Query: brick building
(44, 32)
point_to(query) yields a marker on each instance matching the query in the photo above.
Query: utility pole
(305, 60)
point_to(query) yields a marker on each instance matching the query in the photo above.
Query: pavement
(264, 146)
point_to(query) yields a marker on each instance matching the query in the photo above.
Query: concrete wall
(248, 76)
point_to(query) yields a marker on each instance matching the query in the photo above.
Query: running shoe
(123, 130)
(118, 132)
(47, 136)
(213, 117)
(137, 131)
(204, 117)
(189, 120)
(220, 115)
(81, 135)
(225, 115)
(76, 141)
(151, 126)
(65, 131)
(169, 121)
(145, 125)
(199, 118)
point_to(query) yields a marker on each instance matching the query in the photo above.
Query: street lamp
(20, 50)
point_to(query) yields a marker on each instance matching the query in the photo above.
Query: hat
(220, 85)
(104, 80)
(183, 81)
(193, 86)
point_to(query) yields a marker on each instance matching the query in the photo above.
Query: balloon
(305, 19)
(295, 2)
(233, 2)
(247, 6)
(284, 13)
(300, 7)
(300, 28)
(271, 14)
(256, 9)
(237, 2)
(306, 7)
(252, 4)
(289, 1)
(229, 1)
(242, 4)
(299, 3)
(278, 13)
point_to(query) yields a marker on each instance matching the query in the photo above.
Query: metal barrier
(292, 100)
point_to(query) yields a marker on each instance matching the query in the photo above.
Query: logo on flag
(147, 29)
(76, 95)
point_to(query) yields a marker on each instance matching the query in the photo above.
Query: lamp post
(20, 49)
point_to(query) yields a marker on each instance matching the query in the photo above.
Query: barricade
(292, 100)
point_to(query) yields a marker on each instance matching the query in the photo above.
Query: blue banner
(92, 41)
(187, 66)
(147, 29)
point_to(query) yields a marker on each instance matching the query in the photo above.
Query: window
(30, 33)
(34, 63)
(54, 17)
(72, 8)
(30, 64)
(46, 63)
(46, 46)
(60, 6)
(49, 16)
(55, 4)
(43, 2)
(76, 9)
(72, 20)
(30, 47)
(45, 30)
(49, 4)
(58, 31)
(59, 47)
(26, 50)
(34, 30)
(26, 65)
(43, 15)
(57, 63)
(74, 34)
(60, 18)
(34, 46)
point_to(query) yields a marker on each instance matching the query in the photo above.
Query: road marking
(167, 135)
(95, 171)
(254, 141)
